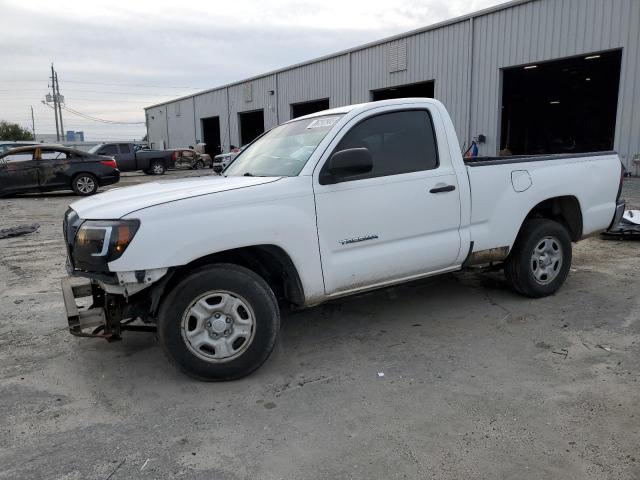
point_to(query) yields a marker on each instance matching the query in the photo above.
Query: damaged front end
(107, 303)
(98, 309)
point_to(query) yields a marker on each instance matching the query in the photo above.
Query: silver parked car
(222, 161)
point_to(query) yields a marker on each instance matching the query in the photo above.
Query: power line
(111, 84)
(94, 100)
(107, 92)
(101, 120)
(95, 119)
(134, 85)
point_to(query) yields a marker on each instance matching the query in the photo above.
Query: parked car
(327, 205)
(222, 160)
(6, 146)
(131, 157)
(189, 158)
(44, 168)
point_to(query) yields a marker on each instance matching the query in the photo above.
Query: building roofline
(434, 26)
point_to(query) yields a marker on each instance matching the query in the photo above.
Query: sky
(115, 57)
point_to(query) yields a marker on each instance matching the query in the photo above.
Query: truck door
(398, 221)
(18, 172)
(126, 157)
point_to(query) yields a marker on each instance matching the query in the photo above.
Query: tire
(199, 164)
(540, 259)
(85, 184)
(194, 326)
(157, 168)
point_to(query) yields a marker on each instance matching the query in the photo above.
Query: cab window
(53, 154)
(109, 149)
(399, 142)
(124, 148)
(17, 157)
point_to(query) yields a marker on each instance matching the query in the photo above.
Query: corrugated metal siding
(157, 126)
(548, 30)
(180, 120)
(441, 55)
(213, 104)
(536, 31)
(325, 79)
(260, 99)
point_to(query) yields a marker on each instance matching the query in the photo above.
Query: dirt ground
(479, 383)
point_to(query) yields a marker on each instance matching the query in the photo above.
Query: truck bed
(506, 185)
(504, 160)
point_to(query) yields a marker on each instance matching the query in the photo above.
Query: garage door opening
(251, 126)
(562, 106)
(305, 108)
(211, 135)
(422, 89)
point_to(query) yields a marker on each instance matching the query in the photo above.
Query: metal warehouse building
(525, 77)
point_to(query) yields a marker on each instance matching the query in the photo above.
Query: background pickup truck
(131, 157)
(331, 204)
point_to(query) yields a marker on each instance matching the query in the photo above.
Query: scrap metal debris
(19, 230)
(627, 228)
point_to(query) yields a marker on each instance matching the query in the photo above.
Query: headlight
(99, 242)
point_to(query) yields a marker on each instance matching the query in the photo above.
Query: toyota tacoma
(335, 203)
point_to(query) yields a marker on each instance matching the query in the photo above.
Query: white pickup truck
(331, 204)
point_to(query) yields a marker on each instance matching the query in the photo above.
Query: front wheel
(540, 259)
(157, 168)
(85, 184)
(219, 323)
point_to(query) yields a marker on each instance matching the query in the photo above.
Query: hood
(119, 202)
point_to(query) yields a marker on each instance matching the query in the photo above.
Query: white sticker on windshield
(323, 122)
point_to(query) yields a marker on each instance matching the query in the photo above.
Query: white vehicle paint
(201, 216)
(354, 235)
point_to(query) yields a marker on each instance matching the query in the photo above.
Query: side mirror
(352, 161)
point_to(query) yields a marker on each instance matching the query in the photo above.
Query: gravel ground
(478, 382)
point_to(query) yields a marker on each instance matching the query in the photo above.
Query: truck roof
(367, 106)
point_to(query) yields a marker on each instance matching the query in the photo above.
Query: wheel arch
(271, 262)
(84, 172)
(564, 209)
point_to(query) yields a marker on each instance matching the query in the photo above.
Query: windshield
(283, 151)
(96, 148)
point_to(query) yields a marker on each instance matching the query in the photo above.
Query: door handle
(446, 188)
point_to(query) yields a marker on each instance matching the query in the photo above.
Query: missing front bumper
(103, 319)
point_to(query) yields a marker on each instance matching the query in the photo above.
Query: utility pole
(62, 132)
(55, 102)
(33, 125)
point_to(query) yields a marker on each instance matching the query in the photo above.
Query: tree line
(13, 131)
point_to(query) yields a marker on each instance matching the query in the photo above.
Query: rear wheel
(219, 323)
(85, 184)
(540, 259)
(157, 168)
